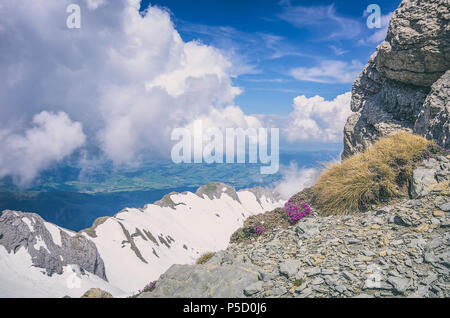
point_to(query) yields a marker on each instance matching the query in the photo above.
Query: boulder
(206, 281)
(96, 293)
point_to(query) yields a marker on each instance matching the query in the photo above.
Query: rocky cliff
(396, 250)
(50, 247)
(405, 85)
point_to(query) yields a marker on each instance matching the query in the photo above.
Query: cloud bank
(52, 137)
(128, 77)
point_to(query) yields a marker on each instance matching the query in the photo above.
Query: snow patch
(193, 222)
(20, 279)
(154, 239)
(55, 232)
(28, 222)
(40, 243)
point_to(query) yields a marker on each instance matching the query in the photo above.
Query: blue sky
(268, 39)
(117, 86)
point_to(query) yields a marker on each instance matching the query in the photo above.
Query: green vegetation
(271, 220)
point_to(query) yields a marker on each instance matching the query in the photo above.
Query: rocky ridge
(397, 250)
(405, 85)
(51, 247)
(177, 229)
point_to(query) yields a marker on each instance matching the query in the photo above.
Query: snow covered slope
(121, 254)
(19, 278)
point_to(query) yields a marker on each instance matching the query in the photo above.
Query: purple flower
(259, 229)
(296, 212)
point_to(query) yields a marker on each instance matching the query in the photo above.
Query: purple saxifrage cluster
(259, 228)
(296, 211)
(148, 288)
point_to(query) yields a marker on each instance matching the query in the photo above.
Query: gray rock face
(445, 207)
(289, 268)
(253, 289)
(403, 87)
(400, 284)
(205, 281)
(428, 175)
(215, 190)
(433, 121)
(28, 230)
(417, 46)
(306, 229)
(259, 192)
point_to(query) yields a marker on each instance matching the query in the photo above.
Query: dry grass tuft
(383, 171)
(205, 257)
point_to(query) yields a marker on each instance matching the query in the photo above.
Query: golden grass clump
(383, 171)
(205, 257)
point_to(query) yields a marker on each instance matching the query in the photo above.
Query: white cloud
(380, 34)
(94, 4)
(52, 137)
(315, 119)
(221, 119)
(197, 61)
(322, 18)
(329, 71)
(337, 50)
(294, 179)
(130, 79)
(127, 79)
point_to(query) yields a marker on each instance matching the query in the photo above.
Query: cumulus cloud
(295, 179)
(128, 77)
(52, 137)
(316, 119)
(214, 125)
(329, 71)
(229, 117)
